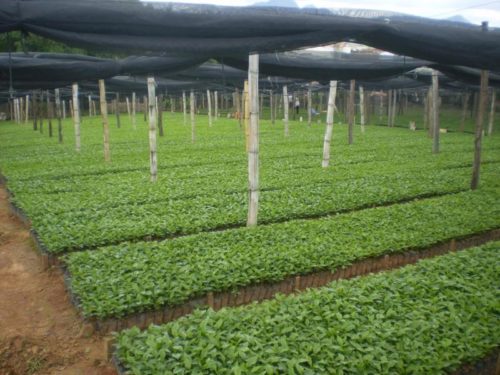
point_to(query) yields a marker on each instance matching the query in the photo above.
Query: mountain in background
(277, 3)
(458, 18)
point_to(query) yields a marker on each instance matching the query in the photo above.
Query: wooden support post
(64, 109)
(49, 114)
(389, 107)
(209, 105)
(253, 150)
(394, 107)
(237, 102)
(478, 135)
(90, 105)
(76, 117)
(435, 112)
(246, 115)
(362, 107)
(160, 115)
(145, 106)
(128, 108)
(58, 115)
(105, 122)
(492, 112)
(184, 111)
(172, 104)
(465, 104)
(134, 126)
(216, 105)
(117, 110)
(192, 110)
(429, 112)
(27, 110)
(40, 111)
(153, 162)
(286, 106)
(309, 105)
(329, 124)
(352, 110)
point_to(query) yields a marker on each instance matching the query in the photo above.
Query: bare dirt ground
(39, 328)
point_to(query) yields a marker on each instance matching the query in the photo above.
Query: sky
(474, 11)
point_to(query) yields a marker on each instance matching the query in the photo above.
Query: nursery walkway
(40, 331)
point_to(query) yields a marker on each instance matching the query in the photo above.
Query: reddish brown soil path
(39, 328)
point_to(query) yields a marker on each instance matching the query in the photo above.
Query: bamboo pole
(362, 108)
(246, 114)
(389, 107)
(483, 97)
(134, 125)
(352, 92)
(160, 116)
(309, 105)
(435, 112)
(286, 105)
(128, 108)
(35, 110)
(105, 121)
(237, 102)
(58, 115)
(184, 111)
(329, 124)
(152, 129)
(394, 107)
(465, 99)
(492, 112)
(49, 114)
(272, 107)
(192, 110)
(216, 105)
(209, 104)
(27, 110)
(76, 117)
(64, 109)
(117, 110)
(253, 151)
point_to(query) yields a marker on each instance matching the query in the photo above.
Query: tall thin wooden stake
(362, 107)
(286, 105)
(184, 109)
(271, 106)
(352, 92)
(192, 109)
(492, 112)
(27, 118)
(64, 109)
(216, 105)
(49, 114)
(160, 115)
(209, 104)
(465, 104)
(117, 110)
(105, 122)
(253, 151)
(389, 107)
(58, 115)
(76, 117)
(133, 111)
(246, 115)
(309, 105)
(153, 162)
(128, 108)
(329, 124)
(394, 107)
(483, 97)
(237, 102)
(435, 112)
